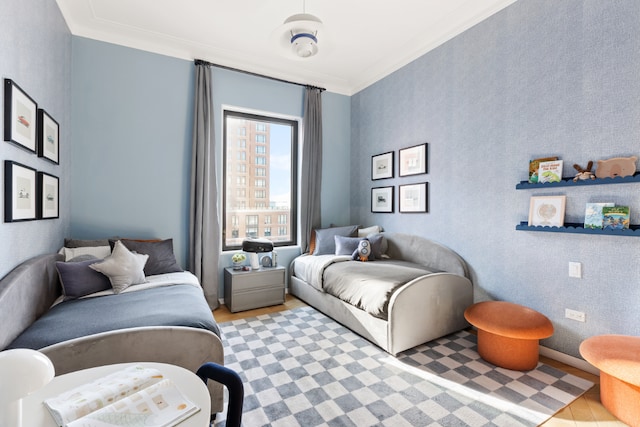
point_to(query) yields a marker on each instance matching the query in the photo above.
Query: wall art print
(48, 137)
(48, 196)
(382, 199)
(20, 119)
(19, 192)
(382, 166)
(413, 198)
(413, 160)
(547, 210)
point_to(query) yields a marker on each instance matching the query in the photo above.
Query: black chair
(232, 381)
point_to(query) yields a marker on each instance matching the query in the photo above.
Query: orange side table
(618, 358)
(508, 333)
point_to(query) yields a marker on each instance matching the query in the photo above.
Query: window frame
(267, 118)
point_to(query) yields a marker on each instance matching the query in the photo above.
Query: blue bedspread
(175, 305)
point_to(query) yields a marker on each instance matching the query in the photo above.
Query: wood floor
(586, 411)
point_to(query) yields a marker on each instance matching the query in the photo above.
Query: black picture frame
(382, 199)
(414, 160)
(48, 204)
(414, 198)
(20, 189)
(20, 117)
(382, 166)
(48, 137)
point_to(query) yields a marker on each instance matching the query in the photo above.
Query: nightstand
(245, 290)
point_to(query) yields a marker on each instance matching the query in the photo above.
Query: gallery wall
(35, 52)
(539, 78)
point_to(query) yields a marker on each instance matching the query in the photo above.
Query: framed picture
(48, 196)
(382, 166)
(382, 199)
(19, 192)
(547, 210)
(413, 198)
(19, 116)
(48, 137)
(413, 160)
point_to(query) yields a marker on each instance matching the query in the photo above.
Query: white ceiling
(361, 40)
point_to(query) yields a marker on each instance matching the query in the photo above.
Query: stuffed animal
(584, 173)
(363, 251)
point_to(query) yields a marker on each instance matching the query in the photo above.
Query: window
(269, 186)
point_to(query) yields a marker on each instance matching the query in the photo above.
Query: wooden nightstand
(245, 290)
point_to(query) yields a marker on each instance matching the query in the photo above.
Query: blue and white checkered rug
(301, 368)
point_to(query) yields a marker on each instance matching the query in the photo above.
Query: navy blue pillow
(78, 279)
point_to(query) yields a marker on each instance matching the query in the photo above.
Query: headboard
(26, 293)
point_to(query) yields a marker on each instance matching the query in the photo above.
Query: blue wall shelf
(577, 228)
(568, 182)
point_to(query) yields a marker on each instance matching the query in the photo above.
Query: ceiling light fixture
(302, 33)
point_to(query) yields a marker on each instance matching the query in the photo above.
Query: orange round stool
(618, 358)
(508, 334)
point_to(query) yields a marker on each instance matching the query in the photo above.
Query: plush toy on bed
(363, 251)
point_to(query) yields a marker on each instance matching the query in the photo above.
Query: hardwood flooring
(586, 411)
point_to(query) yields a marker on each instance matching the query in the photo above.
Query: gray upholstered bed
(150, 324)
(416, 293)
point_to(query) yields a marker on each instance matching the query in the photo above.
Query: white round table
(34, 413)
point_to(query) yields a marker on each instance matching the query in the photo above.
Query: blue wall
(132, 124)
(539, 78)
(35, 52)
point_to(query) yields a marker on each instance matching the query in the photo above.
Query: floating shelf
(568, 182)
(577, 228)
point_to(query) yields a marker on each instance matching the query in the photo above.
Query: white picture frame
(413, 160)
(382, 166)
(19, 192)
(20, 116)
(413, 198)
(547, 211)
(48, 196)
(382, 199)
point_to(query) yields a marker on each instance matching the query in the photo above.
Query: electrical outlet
(575, 270)
(578, 316)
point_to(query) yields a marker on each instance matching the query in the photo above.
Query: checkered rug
(301, 368)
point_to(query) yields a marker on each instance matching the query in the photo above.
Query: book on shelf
(615, 217)
(534, 165)
(133, 396)
(593, 215)
(550, 171)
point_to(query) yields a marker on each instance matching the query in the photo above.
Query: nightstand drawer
(248, 280)
(257, 298)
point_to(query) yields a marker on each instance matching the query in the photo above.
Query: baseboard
(569, 360)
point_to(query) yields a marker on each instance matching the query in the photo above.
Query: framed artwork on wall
(19, 192)
(547, 210)
(413, 160)
(382, 199)
(19, 116)
(382, 166)
(48, 196)
(413, 198)
(48, 137)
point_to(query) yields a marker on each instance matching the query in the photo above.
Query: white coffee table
(34, 413)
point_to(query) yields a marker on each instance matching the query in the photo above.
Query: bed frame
(27, 292)
(424, 309)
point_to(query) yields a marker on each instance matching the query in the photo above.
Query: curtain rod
(210, 64)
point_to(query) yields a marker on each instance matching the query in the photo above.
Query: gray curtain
(204, 230)
(311, 179)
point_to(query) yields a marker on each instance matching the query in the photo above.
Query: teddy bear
(583, 173)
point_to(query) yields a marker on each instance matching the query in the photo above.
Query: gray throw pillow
(161, 257)
(378, 245)
(78, 279)
(325, 238)
(122, 267)
(346, 245)
(81, 243)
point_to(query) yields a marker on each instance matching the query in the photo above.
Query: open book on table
(133, 396)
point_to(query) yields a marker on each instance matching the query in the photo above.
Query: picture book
(550, 171)
(133, 396)
(593, 215)
(534, 165)
(615, 217)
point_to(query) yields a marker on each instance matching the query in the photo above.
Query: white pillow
(364, 232)
(123, 267)
(97, 251)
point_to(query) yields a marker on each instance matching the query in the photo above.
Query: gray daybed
(415, 293)
(84, 333)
